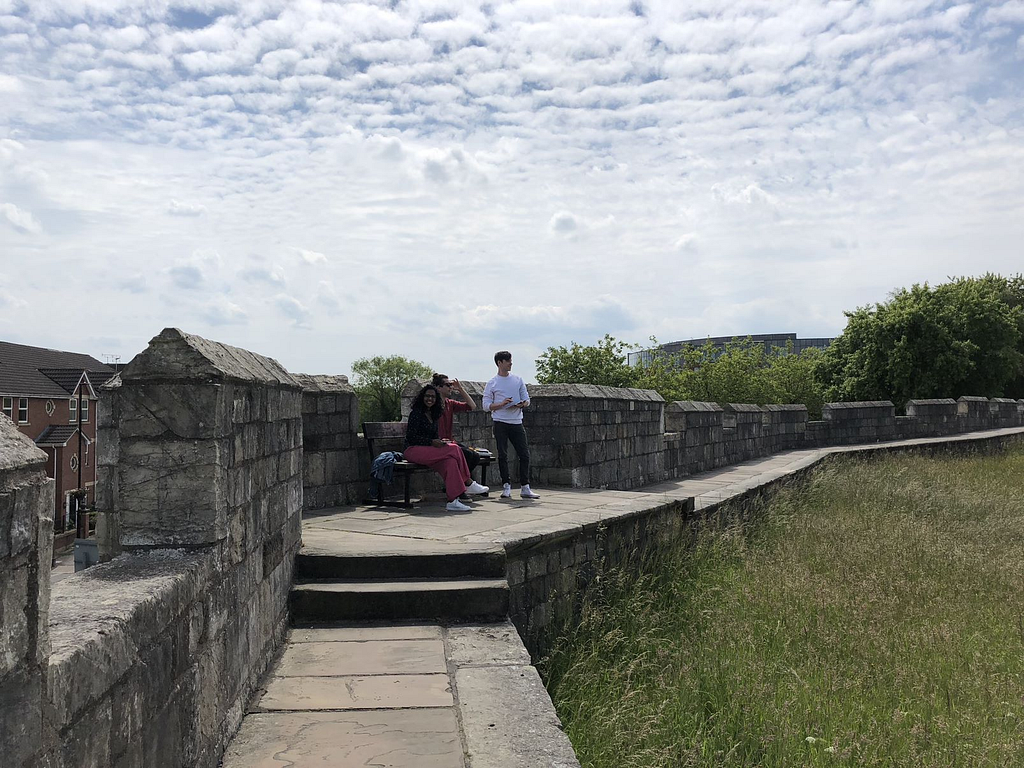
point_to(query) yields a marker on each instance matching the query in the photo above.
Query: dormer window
(73, 406)
(85, 410)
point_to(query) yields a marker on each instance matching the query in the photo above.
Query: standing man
(445, 424)
(505, 396)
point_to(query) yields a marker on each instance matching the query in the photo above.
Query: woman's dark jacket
(421, 430)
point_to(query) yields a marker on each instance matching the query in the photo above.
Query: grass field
(874, 616)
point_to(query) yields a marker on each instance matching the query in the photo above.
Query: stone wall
(700, 444)
(547, 579)
(587, 436)
(580, 435)
(26, 542)
(335, 464)
(155, 653)
(743, 432)
(860, 422)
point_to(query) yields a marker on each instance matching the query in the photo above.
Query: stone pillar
(933, 417)
(860, 422)
(331, 473)
(786, 426)
(1004, 412)
(209, 447)
(973, 413)
(26, 548)
(702, 427)
(108, 522)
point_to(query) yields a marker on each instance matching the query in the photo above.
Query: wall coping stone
(323, 383)
(17, 451)
(773, 408)
(933, 401)
(593, 391)
(742, 408)
(101, 619)
(859, 404)
(173, 355)
(694, 406)
(971, 399)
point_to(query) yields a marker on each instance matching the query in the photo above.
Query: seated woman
(423, 446)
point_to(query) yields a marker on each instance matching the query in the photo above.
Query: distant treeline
(964, 337)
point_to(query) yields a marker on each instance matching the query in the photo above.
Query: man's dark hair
(437, 410)
(438, 379)
(503, 355)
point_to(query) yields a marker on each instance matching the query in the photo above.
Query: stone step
(434, 563)
(393, 599)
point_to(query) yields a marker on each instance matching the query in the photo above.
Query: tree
(959, 338)
(603, 363)
(744, 372)
(379, 382)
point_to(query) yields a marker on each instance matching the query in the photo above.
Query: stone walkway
(463, 696)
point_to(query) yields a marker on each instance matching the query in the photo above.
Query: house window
(23, 410)
(86, 454)
(50, 407)
(9, 408)
(74, 462)
(85, 410)
(73, 407)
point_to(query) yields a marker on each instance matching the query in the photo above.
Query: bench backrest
(384, 436)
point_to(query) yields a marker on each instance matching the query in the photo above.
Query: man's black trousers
(516, 434)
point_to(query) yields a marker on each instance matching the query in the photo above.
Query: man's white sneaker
(526, 493)
(456, 506)
(506, 491)
(476, 489)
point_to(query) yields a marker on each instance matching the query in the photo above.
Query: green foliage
(870, 617)
(965, 337)
(741, 373)
(379, 382)
(603, 363)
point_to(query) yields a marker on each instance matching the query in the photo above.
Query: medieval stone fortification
(209, 454)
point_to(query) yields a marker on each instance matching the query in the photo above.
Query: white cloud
(223, 312)
(177, 208)
(563, 222)
(293, 309)
(311, 257)
(21, 220)
(682, 160)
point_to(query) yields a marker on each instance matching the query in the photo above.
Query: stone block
(21, 726)
(173, 493)
(186, 411)
(15, 606)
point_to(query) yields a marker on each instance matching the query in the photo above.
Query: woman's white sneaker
(456, 506)
(526, 493)
(476, 489)
(506, 491)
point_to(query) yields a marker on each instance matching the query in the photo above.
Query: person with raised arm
(424, 446)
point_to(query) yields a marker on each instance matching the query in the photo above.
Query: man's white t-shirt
(498, 389)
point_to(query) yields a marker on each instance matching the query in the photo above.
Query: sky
(324, 181)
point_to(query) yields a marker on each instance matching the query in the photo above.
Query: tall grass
(871, 617)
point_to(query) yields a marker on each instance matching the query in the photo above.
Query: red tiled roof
(59, 434)
(22, 371)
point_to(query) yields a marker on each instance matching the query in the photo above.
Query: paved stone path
(462, 696)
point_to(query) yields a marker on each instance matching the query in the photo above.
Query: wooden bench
(383, 436)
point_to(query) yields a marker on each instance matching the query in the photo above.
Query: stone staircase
(409, 579)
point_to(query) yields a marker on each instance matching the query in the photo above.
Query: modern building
(51, 397)
(769, 340)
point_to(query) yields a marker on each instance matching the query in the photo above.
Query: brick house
(51, 397)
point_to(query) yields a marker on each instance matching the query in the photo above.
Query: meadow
(870, 616)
